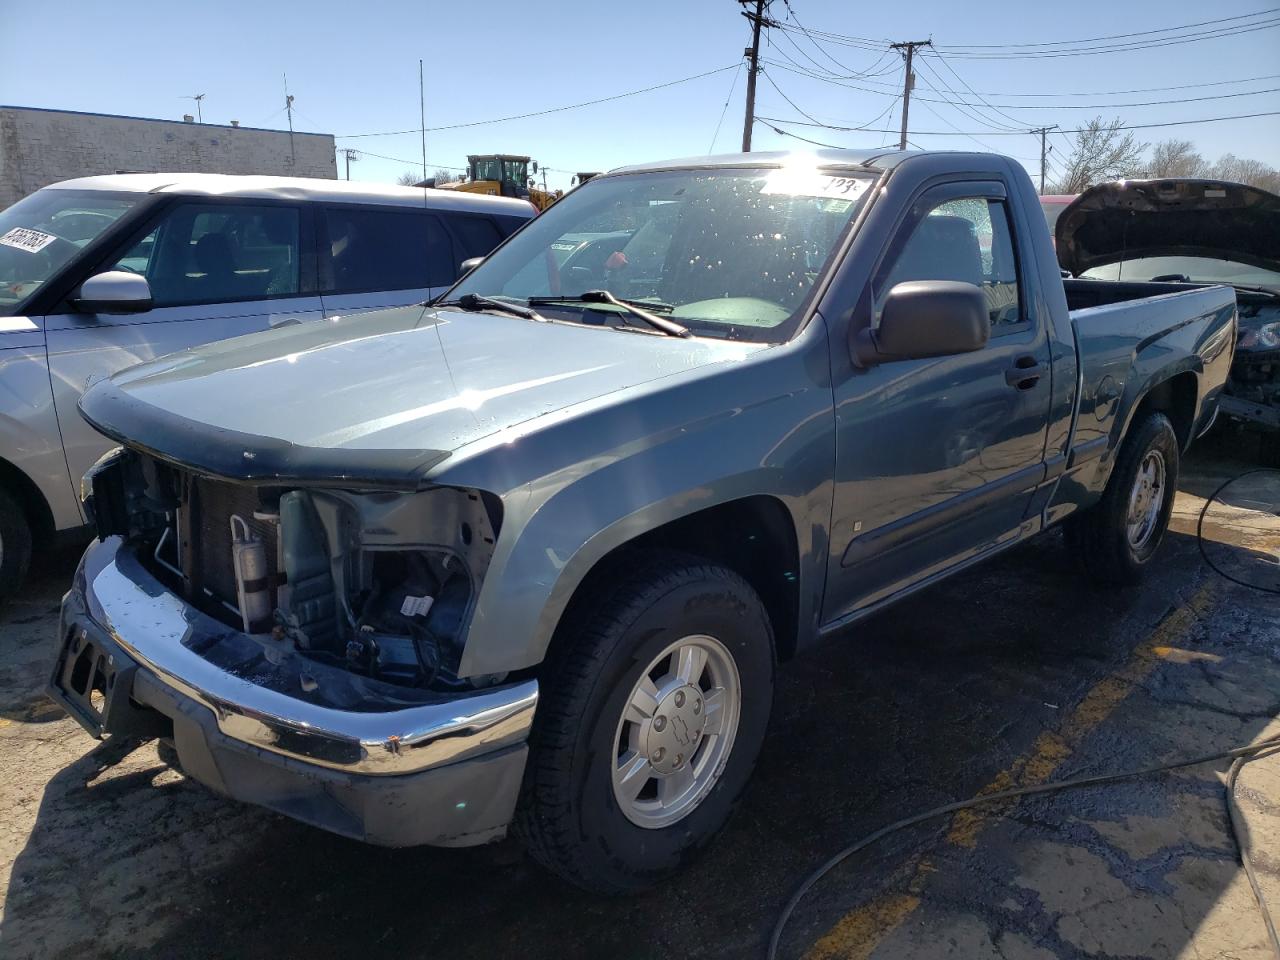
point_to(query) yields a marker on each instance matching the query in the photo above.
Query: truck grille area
(204, 524)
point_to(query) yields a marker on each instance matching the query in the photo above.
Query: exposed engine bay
(1255, 369)
(381, 584)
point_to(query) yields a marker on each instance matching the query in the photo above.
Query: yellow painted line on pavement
(856, 935)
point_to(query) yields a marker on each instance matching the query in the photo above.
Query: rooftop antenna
(288, 107)
(197, 98)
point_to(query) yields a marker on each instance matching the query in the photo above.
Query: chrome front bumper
(380, 737)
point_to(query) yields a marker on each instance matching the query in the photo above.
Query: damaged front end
(380, 584)
(298, 645)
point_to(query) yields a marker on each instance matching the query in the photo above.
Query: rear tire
(15, 545)
(1115, 539)
(679, 629)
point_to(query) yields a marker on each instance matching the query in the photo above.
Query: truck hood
(376, 398)
(1169, 218)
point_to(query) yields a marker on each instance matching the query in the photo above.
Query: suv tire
(15, 545)
(617, 797)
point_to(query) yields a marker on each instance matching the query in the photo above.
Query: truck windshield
(41, 233)
(726, 253)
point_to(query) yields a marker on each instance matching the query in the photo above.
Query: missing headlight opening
(380, 584)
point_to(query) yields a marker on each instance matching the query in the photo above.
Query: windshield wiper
(474, 302)
(669, 327)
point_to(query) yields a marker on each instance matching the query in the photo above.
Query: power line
(1023, 133)
(808, 72)
(1019, 51)
(942, 89)
(1120, 48)
(542, 113)
(733, 86)
(1120, 36)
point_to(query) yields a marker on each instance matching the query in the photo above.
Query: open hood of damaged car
(1129, 219)
(373, 399)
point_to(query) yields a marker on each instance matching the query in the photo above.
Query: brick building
(38, 147)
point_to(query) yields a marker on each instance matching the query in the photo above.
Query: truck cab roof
(877, 159)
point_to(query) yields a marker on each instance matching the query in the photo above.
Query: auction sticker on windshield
(806, 183)
(24, 238)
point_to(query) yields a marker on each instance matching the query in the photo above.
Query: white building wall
(39, 147)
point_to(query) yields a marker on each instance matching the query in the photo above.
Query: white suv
(100, 273)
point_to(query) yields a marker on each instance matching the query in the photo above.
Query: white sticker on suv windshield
(24, 238)
(806, 183)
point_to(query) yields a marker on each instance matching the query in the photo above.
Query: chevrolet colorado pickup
(526, 557)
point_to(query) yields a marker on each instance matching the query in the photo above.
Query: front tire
(1115, 539)
(653, 710)
(15, 545)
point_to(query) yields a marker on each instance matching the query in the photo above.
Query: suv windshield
(726, 253)
(41, 233)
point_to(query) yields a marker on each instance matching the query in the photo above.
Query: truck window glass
(729, 253)
(385, 250)
(218, 253)
(41, 233)
(969, 240)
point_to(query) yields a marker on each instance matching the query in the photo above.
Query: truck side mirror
(116, 291)
(468, 265)
(925, 318)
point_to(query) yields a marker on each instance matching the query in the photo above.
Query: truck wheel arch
(764, 550)
(1175, 397)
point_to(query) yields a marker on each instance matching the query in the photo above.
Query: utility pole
(288, 108)
(1044, 151)
(908, 81)
(422, 118)
(351, 155)
(752, 53)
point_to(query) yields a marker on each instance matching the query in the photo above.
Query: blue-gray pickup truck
(526, 557)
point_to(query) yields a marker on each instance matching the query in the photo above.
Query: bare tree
(1176, 158)
(410, 178)
(442, 175)
(1102, 152)
(1242, 170)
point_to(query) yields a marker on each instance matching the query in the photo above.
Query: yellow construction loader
(503, 175)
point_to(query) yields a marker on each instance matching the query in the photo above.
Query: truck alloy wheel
(676, 731)
(652, 709)
(1146, 500)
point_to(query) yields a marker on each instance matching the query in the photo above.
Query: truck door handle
(1025, 373)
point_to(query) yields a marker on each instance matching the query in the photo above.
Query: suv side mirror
(468, 265)
(925, 318)
(116, 291)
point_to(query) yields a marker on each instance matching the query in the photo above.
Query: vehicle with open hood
(530, 555)
(1194, 231)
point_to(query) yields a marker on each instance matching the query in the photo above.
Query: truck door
(937, 459)
(216, 269)
(373, 257)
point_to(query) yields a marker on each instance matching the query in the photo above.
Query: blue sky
(353, 68)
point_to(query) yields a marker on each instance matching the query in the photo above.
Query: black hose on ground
(1240, 756)
(1204, 554)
